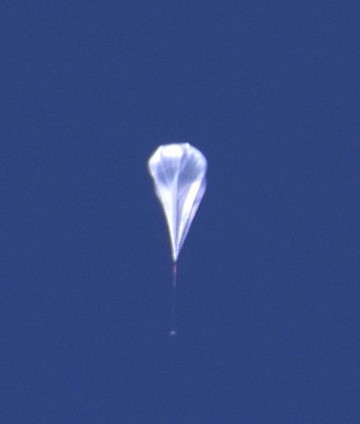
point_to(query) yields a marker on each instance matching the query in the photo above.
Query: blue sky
(268, 279)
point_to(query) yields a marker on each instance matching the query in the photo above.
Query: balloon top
(174, 150)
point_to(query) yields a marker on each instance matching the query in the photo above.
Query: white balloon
(178, 171)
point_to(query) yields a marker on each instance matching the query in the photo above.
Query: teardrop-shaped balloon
(178, 171)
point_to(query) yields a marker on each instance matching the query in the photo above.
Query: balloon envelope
(178, 171)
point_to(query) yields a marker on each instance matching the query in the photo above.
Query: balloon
(178, 171)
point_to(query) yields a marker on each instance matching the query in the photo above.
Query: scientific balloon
(178, 171)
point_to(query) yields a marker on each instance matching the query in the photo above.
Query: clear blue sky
(268, 293)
